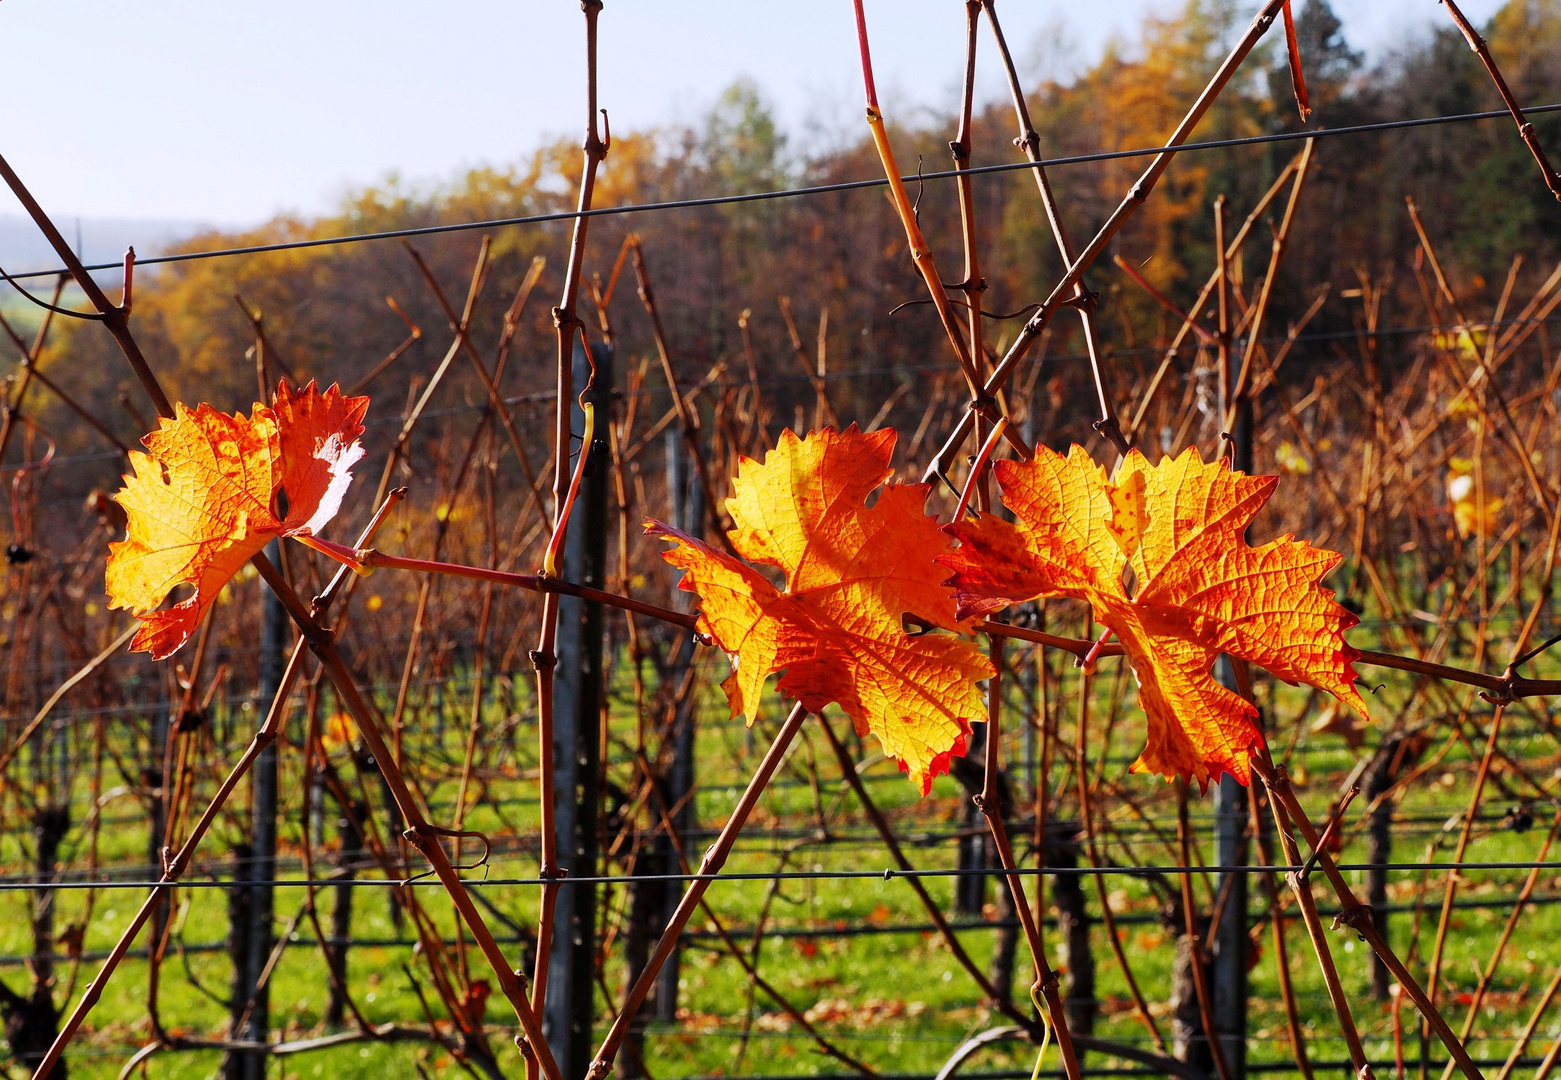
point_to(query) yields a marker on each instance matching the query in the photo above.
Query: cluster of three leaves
(205, 498)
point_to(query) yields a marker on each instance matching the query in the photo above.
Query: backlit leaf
(203, 499)
(853, 574)
(1471, 513)
(1200, 590)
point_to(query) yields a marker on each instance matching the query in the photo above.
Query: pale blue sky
(229, 112)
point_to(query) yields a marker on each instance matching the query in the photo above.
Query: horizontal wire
(1341, 1067)
(815, 189)
(831, 932)
(1128, 834)
(886, 874)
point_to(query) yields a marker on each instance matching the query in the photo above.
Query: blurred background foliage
(325, 309)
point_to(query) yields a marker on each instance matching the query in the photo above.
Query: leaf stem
(978, 466)
(372, 559)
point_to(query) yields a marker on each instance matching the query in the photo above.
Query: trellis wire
(886, 874)
(816, 189)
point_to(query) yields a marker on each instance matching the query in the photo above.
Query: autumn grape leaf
(203, 499)
(853, 573)
(1471, 514)
(1200, 590)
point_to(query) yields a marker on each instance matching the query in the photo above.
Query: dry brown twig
(1062, 294)
(1525, 128)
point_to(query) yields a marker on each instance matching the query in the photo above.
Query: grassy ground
(896, 1000)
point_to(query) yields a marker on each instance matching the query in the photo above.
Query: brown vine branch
(983, 401)
(991, 808)
(714, 858)
(1357, 916)
(1063, 293)
(116, 318)
(853, 779)
(1083, 300)
(418, 832)
(1525, 126)
(567, 326)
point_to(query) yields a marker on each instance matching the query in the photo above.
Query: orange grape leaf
(1470, 514)
(853, 573)
(203, 499)
(1200, 590)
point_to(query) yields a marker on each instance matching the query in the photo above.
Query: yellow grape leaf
(203, 499)
(1291, 461)
(853, 574)
(338, 732)
(1470, 516)
(1200, 590)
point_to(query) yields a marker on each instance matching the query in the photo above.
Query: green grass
(898, 1001)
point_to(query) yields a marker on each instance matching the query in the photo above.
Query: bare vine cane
(419, 831)
(479, 279)
(175, 863)
(1508, 432)
(1521, 655)
(10, 411)
(710, 865)
(1276, 921)
(1525, 126)
(1188, 318)
(414, 332)
(982, 400)
(11, 407)
(812, 367)
(76, 407)
(1524, 1036)
(1513, 916)
(1356, 915)
(1254, 322)
(321, 643)
(971, 284)
(991, 808)
(853, 779)
(550, 586)
(747, 963)
(1093, 849)
(544, 660)
(1302, 889)
(1303, 101)
(441, 534)
(496, 403)
(1433, 969)
(115, 318)
(1062, 294)
(1083, 300)
(688, 417)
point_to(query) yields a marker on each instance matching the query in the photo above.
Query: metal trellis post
(579, 691)
(262, 866)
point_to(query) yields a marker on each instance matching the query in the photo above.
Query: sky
(227, 113)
